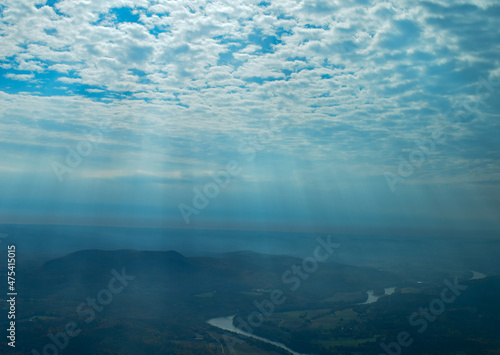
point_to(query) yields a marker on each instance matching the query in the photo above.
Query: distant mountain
(171, 297)
(172, 272)
(100, 260)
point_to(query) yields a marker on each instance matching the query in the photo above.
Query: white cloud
(20, 77)
(351, 71)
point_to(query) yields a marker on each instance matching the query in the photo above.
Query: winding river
(226, 323)
(372, 298)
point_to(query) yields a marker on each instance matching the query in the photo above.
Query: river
(477, 275)
(372, 298)
(226, 323)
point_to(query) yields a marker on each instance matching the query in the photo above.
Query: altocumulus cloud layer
(182, 85)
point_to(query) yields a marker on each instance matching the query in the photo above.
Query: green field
(346, 342)
(315, 319)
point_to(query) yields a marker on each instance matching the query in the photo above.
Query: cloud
(21, 77)
(186, 83)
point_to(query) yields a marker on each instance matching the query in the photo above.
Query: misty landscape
(303, 294)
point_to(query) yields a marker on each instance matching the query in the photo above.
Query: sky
(348, 115)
